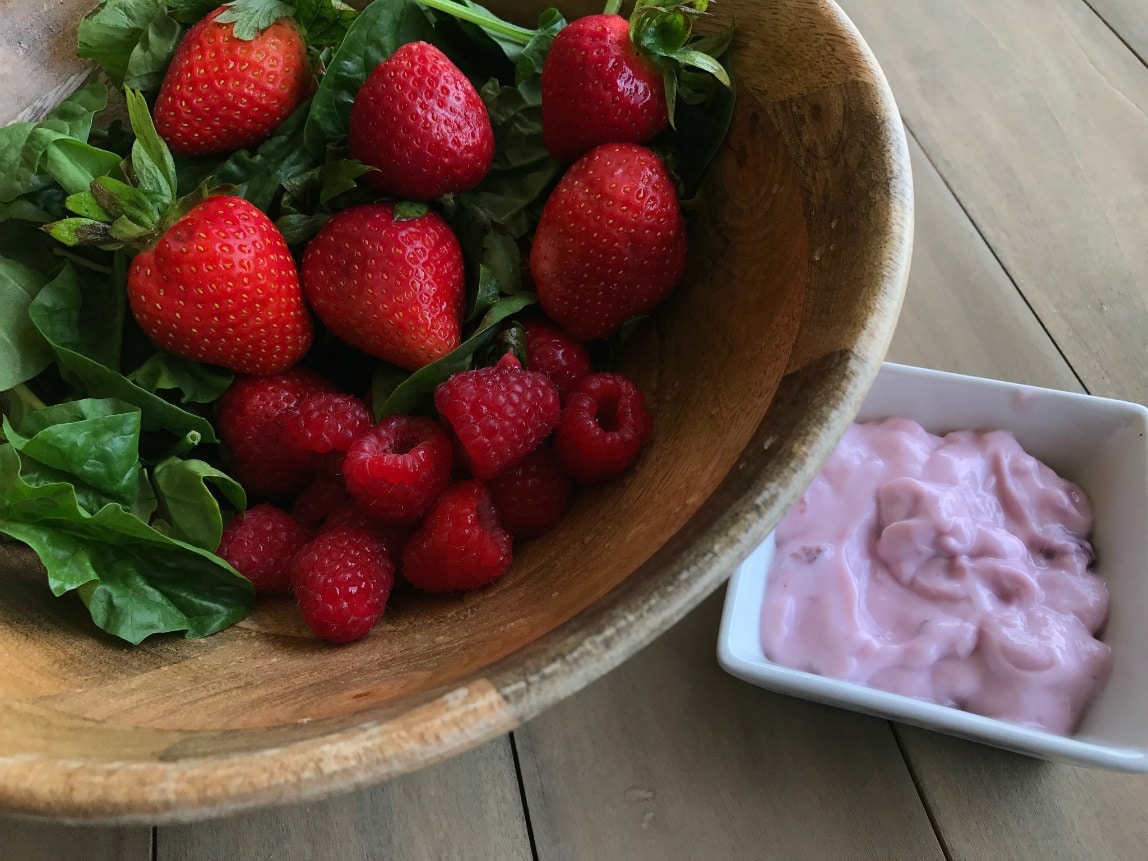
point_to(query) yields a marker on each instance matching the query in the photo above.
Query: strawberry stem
(612, 7)
(483, 19)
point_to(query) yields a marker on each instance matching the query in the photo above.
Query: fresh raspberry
(603, 427)
(556, 354)
(342, 580)
(399, 467)
(259, 544)
(249, 418)
(532, 496)
(392, 535)
(326, 492)
(498, 414)
(325, 421)
(460, 545)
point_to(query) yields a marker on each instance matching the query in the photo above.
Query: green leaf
(324, 22)
(111, 32)
(195, 382)
(120, 199)
(135, 581)
(84, 329)
(95, 440)
(251, 17)
(377, 31)
(414, 393)
(80, 231)
(152, 54)
(184, 491)
(74, 164)
(23, 350)
(151, 160)
(85, 205)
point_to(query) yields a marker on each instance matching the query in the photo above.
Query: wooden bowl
(754, 368)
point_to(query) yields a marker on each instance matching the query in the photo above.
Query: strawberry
(388, 284)
(611, 241)
(421, 124)
(222, 92)
(597, 88)
(220, 286)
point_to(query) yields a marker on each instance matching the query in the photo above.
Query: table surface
(1028, 127)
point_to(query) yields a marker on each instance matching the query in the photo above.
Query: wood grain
(1128, 19)
(29, 840)
(467, 808)
(671, 758)
(1037, 116)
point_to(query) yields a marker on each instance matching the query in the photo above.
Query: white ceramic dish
(1100, 444)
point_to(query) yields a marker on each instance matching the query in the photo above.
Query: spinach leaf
(126, 39)
(183, 489)
(195, 382)
(83, 328)
(23, 350)
(134, 580)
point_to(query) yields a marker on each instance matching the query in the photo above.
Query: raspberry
(248, 417)
(398, 468)
(259, 544)
(351, 513)
(556, 354)
(325, 421)
(532, 496)
(327, 491)
(498, 414)
(342, 580)
(460, 545)
(603, 427)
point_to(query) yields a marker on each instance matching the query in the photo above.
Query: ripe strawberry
(603, 427)
(388, 285)
(498, 414)
(222, 92)
(260, 543)
(460, 545)
(533, 496)
(342, 580)
(421, 124)
(611, 241)
(220, 286)
(597, 88)
(249, 418)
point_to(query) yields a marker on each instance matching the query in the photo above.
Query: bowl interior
(753, 368)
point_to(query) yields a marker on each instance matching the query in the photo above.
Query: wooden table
(1028, 124)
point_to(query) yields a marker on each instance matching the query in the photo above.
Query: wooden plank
(466, 808)
(668, 757)
(962, 313)
(29, 840)
(1037, 116)
(1130, 21)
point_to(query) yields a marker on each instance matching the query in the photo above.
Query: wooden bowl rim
(517, 688)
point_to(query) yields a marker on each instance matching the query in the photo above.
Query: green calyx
(134, 204)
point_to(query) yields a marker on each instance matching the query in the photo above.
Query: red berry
(260, 543)
(533, 496)
(342, 580)
(399, 467)
(460, 545)
(220, 286)
(597, 88)
(610, 243)
(498, 414)
(389, 286)
(557, 355)
(326, 492)
(249, 421)
(421, 124)
(221, 92)
(324, 422)
(603, 427)
(392, 535)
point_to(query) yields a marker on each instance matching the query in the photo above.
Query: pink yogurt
(952, 569)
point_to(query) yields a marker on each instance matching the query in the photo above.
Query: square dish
(1098, 443)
